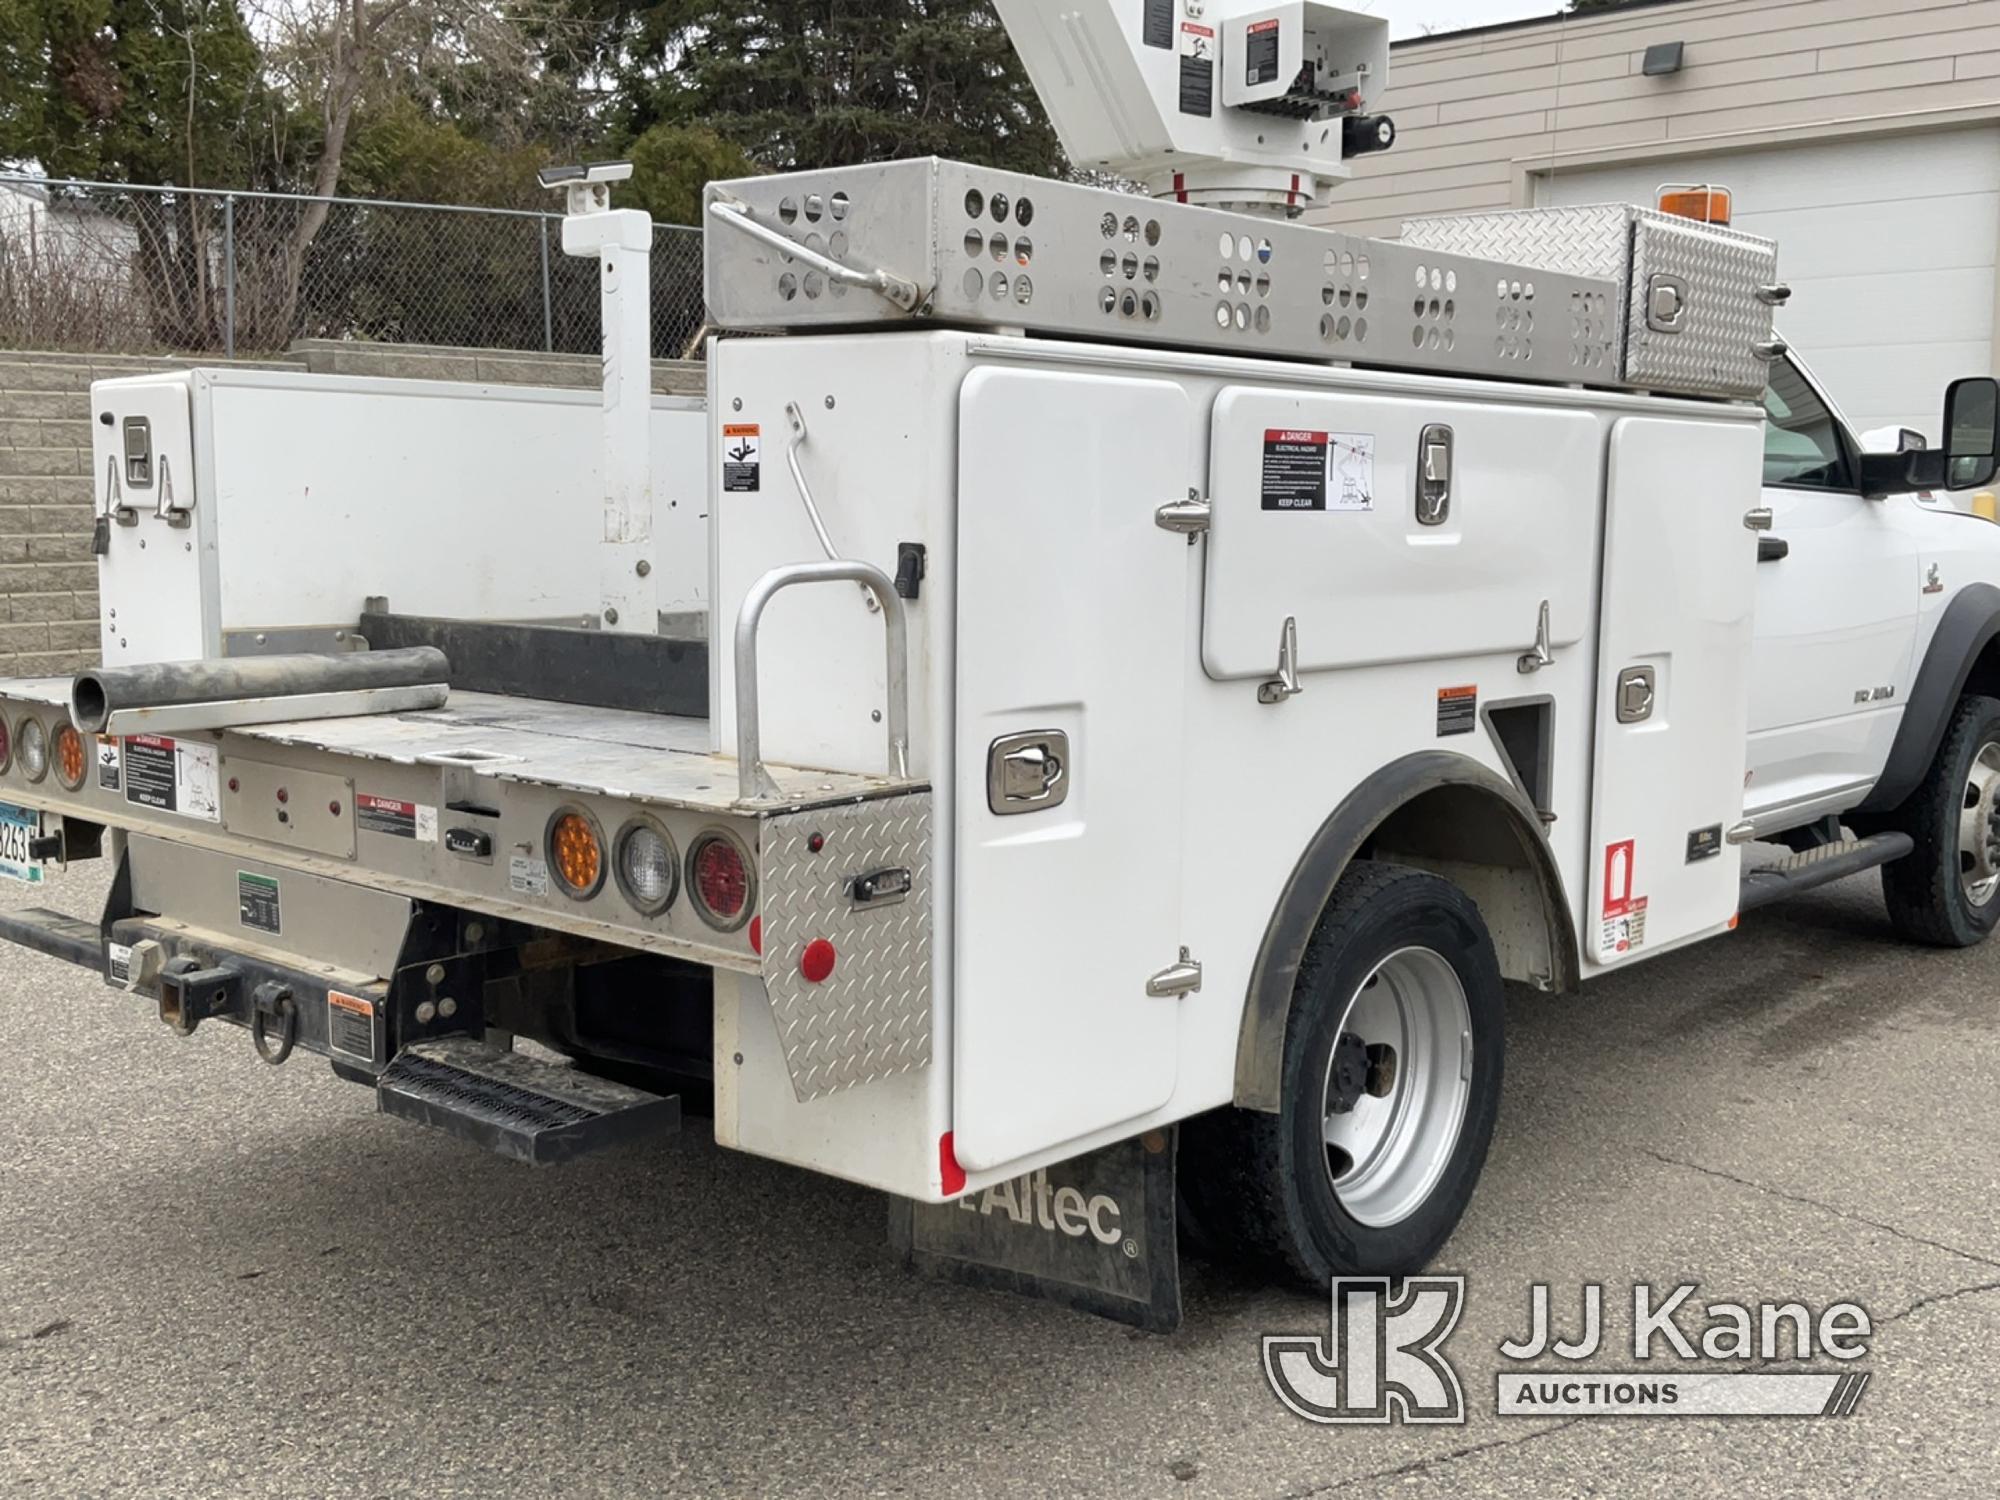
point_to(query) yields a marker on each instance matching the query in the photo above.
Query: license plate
(18, 827)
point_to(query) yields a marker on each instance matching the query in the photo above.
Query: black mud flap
(1095, 1233)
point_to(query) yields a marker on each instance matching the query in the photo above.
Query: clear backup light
(648, 866)
(31, 743)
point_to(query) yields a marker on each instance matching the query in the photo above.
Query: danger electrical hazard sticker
(742, 458)
(176, 776)
(1318, 471)
(1261, 54)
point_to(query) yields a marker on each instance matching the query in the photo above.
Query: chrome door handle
(1027, 773)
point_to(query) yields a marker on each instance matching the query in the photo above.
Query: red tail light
(720, 878)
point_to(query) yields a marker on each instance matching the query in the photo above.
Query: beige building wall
(1483, 114)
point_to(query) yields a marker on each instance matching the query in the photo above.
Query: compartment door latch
(1027, 773)
(1434, 465)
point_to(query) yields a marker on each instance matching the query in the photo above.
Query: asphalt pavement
(223, 1279)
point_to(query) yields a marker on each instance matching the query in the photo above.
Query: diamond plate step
(538, 1112)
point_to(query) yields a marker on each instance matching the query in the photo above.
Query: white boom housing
(1220, 102)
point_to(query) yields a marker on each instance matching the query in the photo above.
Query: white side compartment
(1368, 582)
(1072, 619)
(156, 602)
(313, 493)
(1679, 589)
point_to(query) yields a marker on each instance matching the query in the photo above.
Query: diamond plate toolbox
(855, 880)
(1723, 281)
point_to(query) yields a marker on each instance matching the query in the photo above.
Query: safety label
(742, 458)
(257, 902)
(350, 1025)
(1261, 53)
(1159, 23)
(118, 962)
(1197, 69)
(1458, 710)
(176, 776)
(399, 820)
(1623, 913)
(109, 763)
(527, 874)
(1318, 471)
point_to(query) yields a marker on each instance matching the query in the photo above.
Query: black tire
(1260, 1184)
(1924, 891)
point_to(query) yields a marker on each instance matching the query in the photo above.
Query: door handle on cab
(1773, 549)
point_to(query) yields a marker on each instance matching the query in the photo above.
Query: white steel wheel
(1397, 1082)
(1388, 1091)
(1979, 827)
(1946, 891)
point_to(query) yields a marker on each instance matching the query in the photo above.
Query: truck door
(149, 568)
(1838, 589)
(1673, 679)
(1073, 656)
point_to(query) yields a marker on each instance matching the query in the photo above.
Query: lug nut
(426, 1013)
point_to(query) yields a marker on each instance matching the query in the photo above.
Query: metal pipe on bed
(171, 697)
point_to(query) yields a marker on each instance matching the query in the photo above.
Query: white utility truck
(1172, 664)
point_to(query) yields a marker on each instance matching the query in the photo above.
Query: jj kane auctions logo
(1382, 1358)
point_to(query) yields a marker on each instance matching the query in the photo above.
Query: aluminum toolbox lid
(1696, 302)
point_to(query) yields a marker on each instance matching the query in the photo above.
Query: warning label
(1197, 70)
(108, 764)
(1159, 23)
(527, 873)
(350, 1025)
(176, 776)
(1623, 914)
(1458, 710)
(1318, 471)
(742, 458)
(257, 901)
(399, 820)
(1261, 54)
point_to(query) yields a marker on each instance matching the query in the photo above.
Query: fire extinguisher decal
(1623, 913)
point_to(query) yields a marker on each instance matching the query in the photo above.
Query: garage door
(1889, 245)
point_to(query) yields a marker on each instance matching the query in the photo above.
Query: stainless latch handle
(902, 292)
(753, 781)
(1760, 519)
(1182, 978)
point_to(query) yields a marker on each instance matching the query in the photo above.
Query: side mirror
(1969, 458)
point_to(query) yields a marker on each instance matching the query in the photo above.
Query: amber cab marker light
(1703, 204)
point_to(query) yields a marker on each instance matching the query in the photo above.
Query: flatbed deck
(655, 759)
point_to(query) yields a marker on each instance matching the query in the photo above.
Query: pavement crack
(1931, 1299)
(1434, 1461)
(1826, 1208)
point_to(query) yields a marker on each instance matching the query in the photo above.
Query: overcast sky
(1417, 17)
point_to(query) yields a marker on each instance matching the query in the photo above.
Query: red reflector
(817, 964)
(951, 1176)
(756, 934)
(720, 879)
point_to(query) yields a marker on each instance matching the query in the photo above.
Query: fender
(1970, 623)
(1261, 1041)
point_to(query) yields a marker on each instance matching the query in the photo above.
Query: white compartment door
(1672, 682)
(149, 578)
(1074, 628)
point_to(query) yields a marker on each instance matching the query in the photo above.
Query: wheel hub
(1979, 828)
(1397, 1086)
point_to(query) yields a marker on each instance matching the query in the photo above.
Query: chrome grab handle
(754, 783)
(903, 293)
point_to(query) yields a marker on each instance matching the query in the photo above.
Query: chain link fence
(110, 269)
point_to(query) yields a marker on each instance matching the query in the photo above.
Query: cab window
(1802, 446)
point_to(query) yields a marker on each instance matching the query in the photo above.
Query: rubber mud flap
(1095, 1234)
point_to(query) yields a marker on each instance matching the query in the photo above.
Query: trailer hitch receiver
(191, 994)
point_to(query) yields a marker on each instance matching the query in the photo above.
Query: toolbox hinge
(1177, 979)
(1188, 518)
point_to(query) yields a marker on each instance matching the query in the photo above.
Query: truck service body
(1165, 667)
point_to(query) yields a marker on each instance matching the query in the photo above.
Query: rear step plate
(541, 1113)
